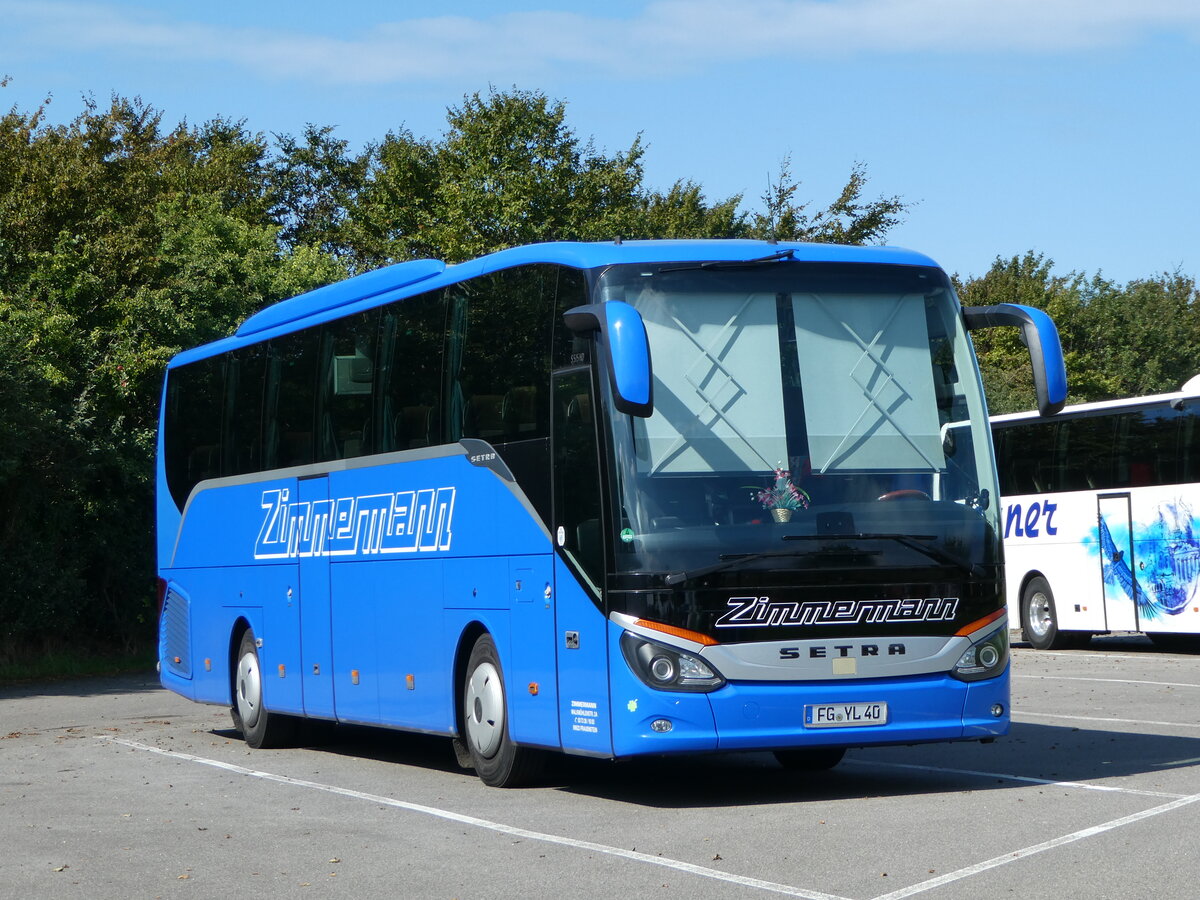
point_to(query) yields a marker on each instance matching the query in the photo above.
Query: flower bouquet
(783, 498)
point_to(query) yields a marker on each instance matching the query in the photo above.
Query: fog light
(662, 726)
(997, 709)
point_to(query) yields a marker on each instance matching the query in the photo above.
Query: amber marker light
(694, 636)
(979, 623)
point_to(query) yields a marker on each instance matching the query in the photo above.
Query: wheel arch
(240, 626)
(471, 632)
(1020, 596)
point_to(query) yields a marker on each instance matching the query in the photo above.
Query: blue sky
(1068, 127)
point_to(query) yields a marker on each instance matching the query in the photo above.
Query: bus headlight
(667, 668)
(986, 658)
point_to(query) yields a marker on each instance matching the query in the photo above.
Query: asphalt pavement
(116, 788)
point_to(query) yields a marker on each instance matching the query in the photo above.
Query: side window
(409, 401)
(346, 400)
(570, 349)
(1085, 446)
(498, 356)
(242, 435)
(577, 474)
(1028, 458)
(1189, 444)
(1147, 448)
(291, 384)
(192, 426)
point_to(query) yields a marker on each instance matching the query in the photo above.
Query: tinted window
(570, 349)
(1147, 447)
(498, 356)
(410, 373)
(1084, 457)
(242, 437)
(346, 402)
(1025, 454)
(291, 386)
(192, 429)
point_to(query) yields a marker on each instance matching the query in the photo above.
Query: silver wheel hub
(485, 710)
(1040, 619)
(249, 690)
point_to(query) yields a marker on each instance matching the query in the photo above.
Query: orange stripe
(694, 636)
(979, 623)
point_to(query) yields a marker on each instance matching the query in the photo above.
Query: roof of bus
(418, 276)
(1189, 391)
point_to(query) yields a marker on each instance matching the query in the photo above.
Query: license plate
(842, 715)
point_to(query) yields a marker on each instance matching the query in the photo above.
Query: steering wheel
(905, 494)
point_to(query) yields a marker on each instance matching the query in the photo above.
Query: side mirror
(626, 349)
(1039, 334)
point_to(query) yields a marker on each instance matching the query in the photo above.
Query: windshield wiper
(730, 560)
(732, 263)
(912, 541)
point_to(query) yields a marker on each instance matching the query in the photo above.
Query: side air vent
(176, 634)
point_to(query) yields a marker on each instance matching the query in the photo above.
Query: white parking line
(677, 865)
(992, 863)
(1111, 680)
(703, 871)
(1107, 720)
(1082, 785)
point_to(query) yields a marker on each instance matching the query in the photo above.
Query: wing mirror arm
(1040, 335)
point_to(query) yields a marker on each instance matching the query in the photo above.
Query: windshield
(801, 422)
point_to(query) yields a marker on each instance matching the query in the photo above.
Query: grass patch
(58, 665)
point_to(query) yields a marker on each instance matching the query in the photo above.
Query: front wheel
(1039, 619)
(496, 759)
(260, 727)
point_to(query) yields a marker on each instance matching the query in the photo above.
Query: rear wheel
(1039, 620)
(496, 759)
(810, 759)
(260, 727)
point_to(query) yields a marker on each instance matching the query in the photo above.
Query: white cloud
(665, 37)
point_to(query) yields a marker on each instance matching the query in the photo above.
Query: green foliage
(510, 171)
(847, 220)
(123, 243)
(1143, 338)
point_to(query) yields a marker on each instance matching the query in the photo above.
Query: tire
(810, 759)
(1039, 620)
(496, 759)
(260, 727)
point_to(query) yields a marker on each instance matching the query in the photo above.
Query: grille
(177, 639)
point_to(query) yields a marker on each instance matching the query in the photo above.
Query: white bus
(1101, 517)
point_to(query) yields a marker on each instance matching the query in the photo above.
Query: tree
(509, 171)
(314, 184)
(847, 220)
(1142, 338)
(122, 244)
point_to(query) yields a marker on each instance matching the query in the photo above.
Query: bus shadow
(1128, 642)
(1030, 754)
(383, 745)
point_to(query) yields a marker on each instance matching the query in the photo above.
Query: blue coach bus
(605, 499)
